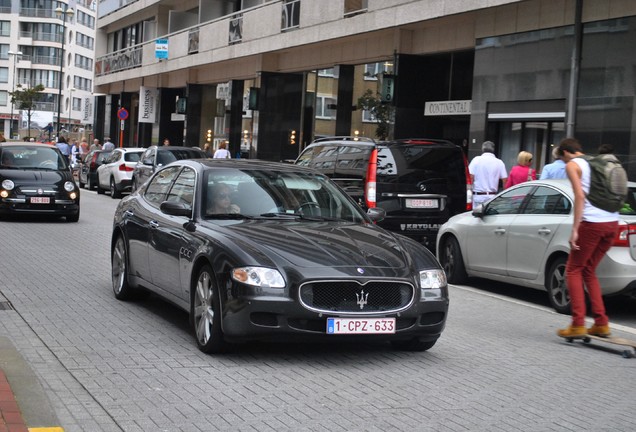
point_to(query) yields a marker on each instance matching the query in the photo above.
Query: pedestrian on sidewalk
(486, 171)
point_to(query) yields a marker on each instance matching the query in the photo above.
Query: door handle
(500, 231)
(544, 231)
(153, 224)
(129, 213)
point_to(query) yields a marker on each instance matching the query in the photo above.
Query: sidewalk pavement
(22, 399)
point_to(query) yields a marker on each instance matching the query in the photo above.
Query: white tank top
(591, 213)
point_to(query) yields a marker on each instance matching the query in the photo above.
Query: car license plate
(360, 325)
(422, 203)
(40, 200)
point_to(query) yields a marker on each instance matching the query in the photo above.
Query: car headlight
(258, 276)
(69, 186)
(432, 283)
(8, 184)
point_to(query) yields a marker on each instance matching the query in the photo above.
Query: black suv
(420, 183)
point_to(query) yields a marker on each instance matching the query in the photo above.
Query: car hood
(325, 244)
(34, 177)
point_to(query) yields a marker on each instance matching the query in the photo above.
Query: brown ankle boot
(573, 331)
(599, 330)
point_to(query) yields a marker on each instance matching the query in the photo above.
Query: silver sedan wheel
(557, 286)
(205, 313)
(120, 270)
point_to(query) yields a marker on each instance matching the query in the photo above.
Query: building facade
(49, 43)
(268, 76)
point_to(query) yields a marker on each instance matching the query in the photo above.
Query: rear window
(132, 157)
(101, 156)
(412, 163)
(165, 157)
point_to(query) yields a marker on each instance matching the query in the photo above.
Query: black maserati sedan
(256, 250)
(36, 179)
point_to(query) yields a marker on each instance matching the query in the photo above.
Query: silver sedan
(521, 237)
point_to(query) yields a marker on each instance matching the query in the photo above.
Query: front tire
(557, 287)
(452, 261)
(205, 313)
(121, 287)
(73, 218)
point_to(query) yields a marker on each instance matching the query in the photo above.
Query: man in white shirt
(486, 171)
(108, 145)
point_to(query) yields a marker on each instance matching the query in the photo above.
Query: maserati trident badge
(362, 299)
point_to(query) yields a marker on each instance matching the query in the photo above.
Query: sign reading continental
(447, 108)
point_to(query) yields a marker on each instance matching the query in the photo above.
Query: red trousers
(594, 241)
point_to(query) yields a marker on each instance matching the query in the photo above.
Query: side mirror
(146, 162)
(376, 214)
(478, 211)
(174, 208)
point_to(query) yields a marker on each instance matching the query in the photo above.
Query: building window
(5, 28)
(4, 51)
(77, 104)
(327, 73)
(236, 30)
(84, 41)
(354, 7)
(4, 98)
(325, 107)
(367, 117)
(291, 14)
(372, 70)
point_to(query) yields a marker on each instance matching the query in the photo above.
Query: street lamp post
(15, 60)
(70, 107)
(62, 13)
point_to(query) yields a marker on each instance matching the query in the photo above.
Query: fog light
(4, 194)
(73, 195)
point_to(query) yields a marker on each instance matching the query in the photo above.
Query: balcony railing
(37, 13)
(236, 29)
(47, 37)
(44, 106)
(118, 61)
(291, 15)
(46, 60)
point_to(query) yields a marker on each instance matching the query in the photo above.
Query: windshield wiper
(228, 216)
(301, 216)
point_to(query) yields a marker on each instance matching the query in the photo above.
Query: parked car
(156, 156)
(88, 169)
(37, 179)
(521, 237)
(115, 173)
(420, 183)
(262, 250)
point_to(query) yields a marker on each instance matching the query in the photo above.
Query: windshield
(273, 194)
(32, 157)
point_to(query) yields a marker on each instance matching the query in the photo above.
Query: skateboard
(627, 353)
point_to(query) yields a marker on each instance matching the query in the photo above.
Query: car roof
(242, 164)
(357, 141)
(22, 144)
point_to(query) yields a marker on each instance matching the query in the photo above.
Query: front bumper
(62, 207)
(269, 317)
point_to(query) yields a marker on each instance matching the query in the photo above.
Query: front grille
(352, 296)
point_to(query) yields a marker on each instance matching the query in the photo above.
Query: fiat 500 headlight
(431, 284)
(69, 186)
(258, 276)
(8, 184)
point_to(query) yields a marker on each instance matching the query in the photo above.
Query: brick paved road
(111, 366)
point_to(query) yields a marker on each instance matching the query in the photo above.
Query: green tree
(381, 111)
(26, 99)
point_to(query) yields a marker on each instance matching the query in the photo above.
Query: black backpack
(608, 182)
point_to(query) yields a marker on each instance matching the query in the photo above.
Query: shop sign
(447, 108)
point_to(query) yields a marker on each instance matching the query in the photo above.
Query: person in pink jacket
(521, 172)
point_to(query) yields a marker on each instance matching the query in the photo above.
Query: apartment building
(50, 43)
(268, 76)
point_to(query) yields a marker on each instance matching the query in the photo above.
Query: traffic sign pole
(122, 114)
